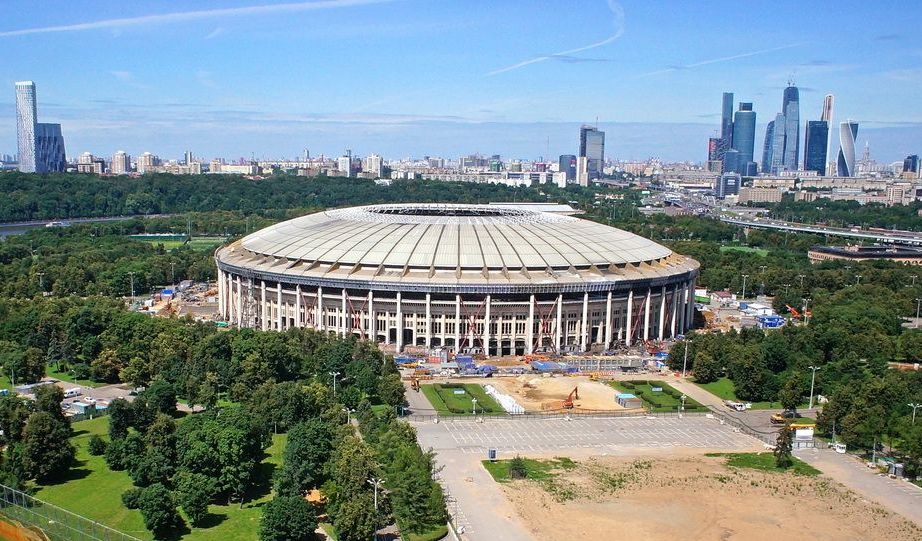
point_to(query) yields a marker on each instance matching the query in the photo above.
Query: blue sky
(438, 77)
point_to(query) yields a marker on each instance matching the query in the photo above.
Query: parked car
(784, 417)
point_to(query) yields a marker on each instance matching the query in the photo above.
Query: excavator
(795, 313)
(574, 394)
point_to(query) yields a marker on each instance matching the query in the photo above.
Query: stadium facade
(472, 278)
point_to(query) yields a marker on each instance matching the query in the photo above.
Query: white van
(70, 393)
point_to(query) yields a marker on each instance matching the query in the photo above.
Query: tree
(289, 518)
(161, 397)
(23, 365)
(48, 398)
(158, 509)
(307, 451)
(391, 390)
(517, 468)
(13, 415)
(96, 446)
(194, 491)
(706, 368)
(47, 451)
(120, 418)
(790, 394)
(784, 447)
(356, 519)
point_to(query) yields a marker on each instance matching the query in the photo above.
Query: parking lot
(589, 434)
(98, 396)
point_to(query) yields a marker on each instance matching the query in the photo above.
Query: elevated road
(888, 237)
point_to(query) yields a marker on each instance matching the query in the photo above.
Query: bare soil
(696, 498)
(537, 393)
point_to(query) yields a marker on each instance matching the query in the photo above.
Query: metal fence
(431, 415)
(58, 524)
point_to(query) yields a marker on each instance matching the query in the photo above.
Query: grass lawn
(444, 399)
(69, 378)
(432, 535)
(765, 462)
(95, 492)
(537, 470)
(658, 401)
(761, 252)
(724, 389)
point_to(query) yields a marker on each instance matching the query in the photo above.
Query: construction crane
(574, 394)
(795, 313)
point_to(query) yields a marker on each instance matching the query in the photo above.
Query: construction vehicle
(574, 394)
(784, 417)
(795, 313)
(415, 384)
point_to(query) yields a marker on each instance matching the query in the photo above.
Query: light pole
(131, 276)
(786, 286)
(806, 306)
(801, 276)
(914, 406)
(376, 482)
(812, 381)
(173, 274)
(685, 359)
(348, 415)
(41, 281)
(857, 279)
(913, 276)
(744, 285)
(918, 301)
(334, 374)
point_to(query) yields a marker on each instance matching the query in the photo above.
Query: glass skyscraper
(726, 121)
(567, 164)
(790, 108)
(41, 146)
(767, 147)
(815, 146)
(848, 132)
(592, 147)
(744, 135)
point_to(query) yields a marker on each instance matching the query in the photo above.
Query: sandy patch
(697, 498)
(537, 393)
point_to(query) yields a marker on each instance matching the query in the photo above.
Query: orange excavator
(795, 313)
(574, 394)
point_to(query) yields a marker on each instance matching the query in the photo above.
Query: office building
(582, 171)
(148, 163)
(374, 164)
(726, 121)
(713, 145)
(815, 144)
(87, 163)
(790, 108)
(567, 164)
(121, 163)
(727, 184)
(845, 165)
(40, 146)
(344, 164)
(828, 106)
(744, 135)
(592, 147)
(911, 164)
(767, 147)
(731, 161)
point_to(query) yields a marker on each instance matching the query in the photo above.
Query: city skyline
(174, 79)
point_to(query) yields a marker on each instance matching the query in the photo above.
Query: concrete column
(608, 321)
(457, 323)
(387, 328)
(264, 312)
(318, 311)
(299, 321)
(486, 327)
(584, 324)
(346, 320)
(220, 295)
(690, 305)
(559, 330)
(280, 312)
(530, 329)
(675, 311)
(442, 329)
(662, 312)
(428, 320)
(372, 318)
(629, 320)
(399, 324)
(646, 316)
(239, 300)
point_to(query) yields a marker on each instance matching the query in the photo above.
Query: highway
(18, 228)
(889, 237)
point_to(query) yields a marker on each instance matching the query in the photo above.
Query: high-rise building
(26, 113)
(148, 163)
(582, 171)
(374, 164)
(344, 164)
(121, 163)
(790, 108)
(727, 184)
(911, 164)
(188, 158)
(713, 145)
(767, 147)
(567, 164)
(726, 120)
(87, 163)
(592, 147)
(744, 135)
(731, 161)
(815, 144)
(848, 132)
(828, 106)
(41, 146)
(778, 139)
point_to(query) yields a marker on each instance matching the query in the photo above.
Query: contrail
(193, 15)
(618, 13)
(717, 60)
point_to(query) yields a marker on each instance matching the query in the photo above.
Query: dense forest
(849, 213)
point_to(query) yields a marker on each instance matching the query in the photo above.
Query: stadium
(496, 280)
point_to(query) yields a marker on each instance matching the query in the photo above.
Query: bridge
(888, 237)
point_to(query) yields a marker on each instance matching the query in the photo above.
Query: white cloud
(185, 16)
(215, 33)
(717, 60)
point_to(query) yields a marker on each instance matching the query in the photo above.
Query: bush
(96, 446)
(158, 508)
(517, 468)
(288, 518)
(131, 498)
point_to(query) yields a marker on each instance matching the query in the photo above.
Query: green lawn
(765, 462)
(761, 252)
(444, 400)
(68, 377)
(95, 492)
(724, 389)
(537, 470)
(668, 399)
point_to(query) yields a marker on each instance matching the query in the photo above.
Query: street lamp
(913, 276)
(131, 275)
(685, 359)
(806, 306)
(917, 312)
(812, 381)
(334, 374)
(801, 276)
(744, 285)
(857, 279)
(914, 406)
(348, 415)
(376, 482)
(786, 286)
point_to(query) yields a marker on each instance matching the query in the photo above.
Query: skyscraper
(778, 138)
(41, 146)
(911, 164)
(790, 108)
(828, 105)
(767, 147)
(25, 125)
(567, 164)
(726, 121)
(121, 163)
(592, 147)
(848, 132)
(744, 135)
(815, 144)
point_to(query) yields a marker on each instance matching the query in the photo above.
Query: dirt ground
(536, 393)
(696, 498)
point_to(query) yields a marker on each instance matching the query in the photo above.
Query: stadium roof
(437, 236)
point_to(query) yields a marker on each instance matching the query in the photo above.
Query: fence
(58, 524)
(431, 415)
